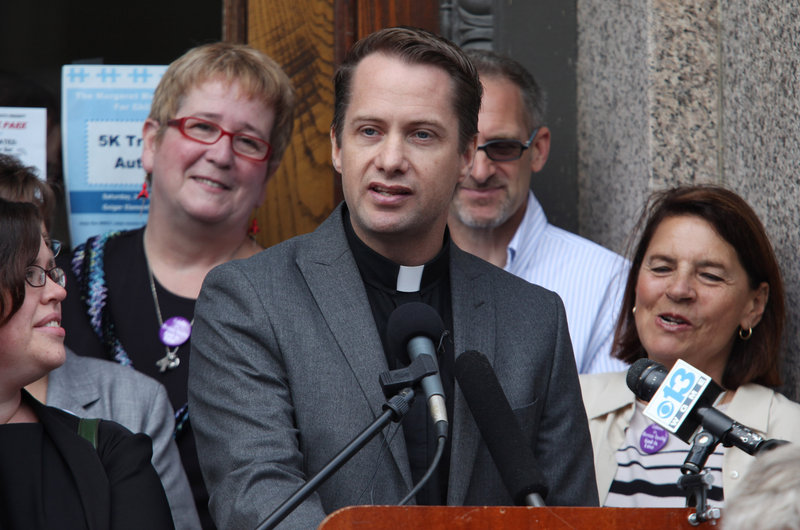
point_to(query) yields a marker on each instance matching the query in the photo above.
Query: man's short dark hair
(415, 46)
(491, 64)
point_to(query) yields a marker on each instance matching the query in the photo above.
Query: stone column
(692, 91)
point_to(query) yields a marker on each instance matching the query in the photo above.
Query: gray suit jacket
(284, 373)
(94, 388)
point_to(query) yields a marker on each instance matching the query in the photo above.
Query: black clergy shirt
(380, 277)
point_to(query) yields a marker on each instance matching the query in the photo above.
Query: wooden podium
(500, 517)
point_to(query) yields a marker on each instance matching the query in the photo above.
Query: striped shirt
(651, 480)
(590, 279)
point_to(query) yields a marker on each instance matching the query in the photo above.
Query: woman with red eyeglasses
(55, 470)
(220, 120)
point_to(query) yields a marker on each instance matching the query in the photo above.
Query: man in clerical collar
(288, 345)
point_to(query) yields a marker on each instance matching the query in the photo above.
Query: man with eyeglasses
(495, 215)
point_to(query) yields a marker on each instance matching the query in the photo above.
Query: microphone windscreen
(644, 377)
(498, 426)
(413, 319)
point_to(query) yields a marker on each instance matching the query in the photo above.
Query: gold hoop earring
(745, 335)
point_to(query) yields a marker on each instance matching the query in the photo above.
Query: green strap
(87, 428)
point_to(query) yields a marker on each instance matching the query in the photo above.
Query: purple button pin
(653, 439)
(175, 331)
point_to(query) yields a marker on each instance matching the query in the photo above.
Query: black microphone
(648, 380)
(499, 428)
(414, 327)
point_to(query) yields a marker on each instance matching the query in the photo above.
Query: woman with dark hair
(705, 287)
(57, 471)
(96, 388)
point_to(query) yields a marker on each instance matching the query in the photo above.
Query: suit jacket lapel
(332, 276)
(83, 462)
(473, 308)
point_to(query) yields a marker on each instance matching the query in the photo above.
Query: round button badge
(175, 331)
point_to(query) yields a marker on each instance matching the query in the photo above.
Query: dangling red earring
(144, 193)
(253, 230)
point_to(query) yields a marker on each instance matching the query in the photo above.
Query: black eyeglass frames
(36, 276)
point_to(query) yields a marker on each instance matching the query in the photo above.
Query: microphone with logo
(682, 400)
(499, 428)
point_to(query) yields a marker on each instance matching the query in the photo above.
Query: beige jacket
(609, 407)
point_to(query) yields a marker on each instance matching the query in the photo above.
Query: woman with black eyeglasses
(57, 471)
(95, 388)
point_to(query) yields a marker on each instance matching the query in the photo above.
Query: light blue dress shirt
(589, 278)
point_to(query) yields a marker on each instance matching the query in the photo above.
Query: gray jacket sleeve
(564, 446)
(160, 424)
(242, 409)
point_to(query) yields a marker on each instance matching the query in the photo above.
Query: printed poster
(103, 110)
(23, 134)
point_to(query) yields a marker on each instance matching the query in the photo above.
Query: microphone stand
(395, 409)
(695, 481)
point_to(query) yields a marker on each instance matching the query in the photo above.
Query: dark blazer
(116, 482)
(284, 373)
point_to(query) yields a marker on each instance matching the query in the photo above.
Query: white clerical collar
(409, 278)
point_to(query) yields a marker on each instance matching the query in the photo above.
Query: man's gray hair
(491, 64)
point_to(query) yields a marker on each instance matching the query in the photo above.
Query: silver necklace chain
(171, 360)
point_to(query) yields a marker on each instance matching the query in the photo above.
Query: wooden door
(309, 38)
